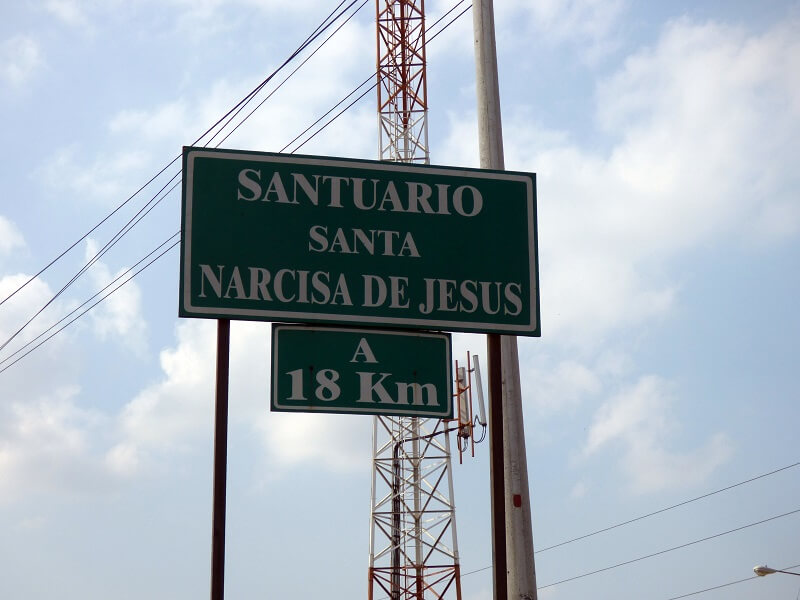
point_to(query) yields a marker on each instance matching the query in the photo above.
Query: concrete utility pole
(517, 556)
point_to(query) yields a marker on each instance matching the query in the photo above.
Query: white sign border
(274, 405)
(314, 317)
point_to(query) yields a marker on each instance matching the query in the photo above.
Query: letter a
(364, 350)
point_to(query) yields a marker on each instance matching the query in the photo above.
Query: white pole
(521, 567)
(521, 583)
(490, 127)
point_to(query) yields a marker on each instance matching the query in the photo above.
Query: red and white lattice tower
(413, 540)
(402, 86)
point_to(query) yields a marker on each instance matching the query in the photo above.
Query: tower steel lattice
(413, 541)
(402, 85)
(413, 537)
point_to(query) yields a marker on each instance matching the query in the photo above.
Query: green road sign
(365, 371)
(312, 239)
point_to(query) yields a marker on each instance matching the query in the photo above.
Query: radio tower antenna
(402, 84)
(413, 540)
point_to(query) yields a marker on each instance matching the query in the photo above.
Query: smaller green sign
(363, 371)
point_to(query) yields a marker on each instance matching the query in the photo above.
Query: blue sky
(664, 138)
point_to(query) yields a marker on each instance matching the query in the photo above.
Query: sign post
(358, 244)
(220, 461)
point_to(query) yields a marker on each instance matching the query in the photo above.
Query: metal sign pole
(497, 468)
(220, 461)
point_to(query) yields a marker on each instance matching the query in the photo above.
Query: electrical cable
(339, 114)
(329, 111)
(656, 512)
(730, 583)
(374, 85)
(152, 203)
(231, 113)
(88, 233)
(85, 302)
(475, 422)
(317, 32)
(453, 20)
(695, 593)
(292, 73)
(144, 210)
(672, 549)
(155, 200)
(244, 101)
(174, 244)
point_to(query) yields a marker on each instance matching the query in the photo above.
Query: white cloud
(69, 12)
(104, 179)
(139, 135)
(558, 387)
(27, 298)
(32, 523)
(639, 419)
(589, 24)
(198, 19)
(708, 120)
(639, 411)
(336, 442)
(167, 122)
(20, 57)
(120, 314)
(205, 12)
(174, 413)
(578, 491)
(283, 116)
(45, 437)
(171, 413)
(702, 132)
(10, 237)
(45, 445)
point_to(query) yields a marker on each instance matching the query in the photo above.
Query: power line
(453, 20)
(730, 583)
(134, 220)
(317, 32)
(84, 303)
(659, 553)
(662, 510)
(155, 200)
(230, 115)
(59, 330)
(656, 512)
(88, 233)
(329, 111)
(150, 205)
(672, 549)
(293, 72)
(685, 502)
(372, 87)
(339, 114)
